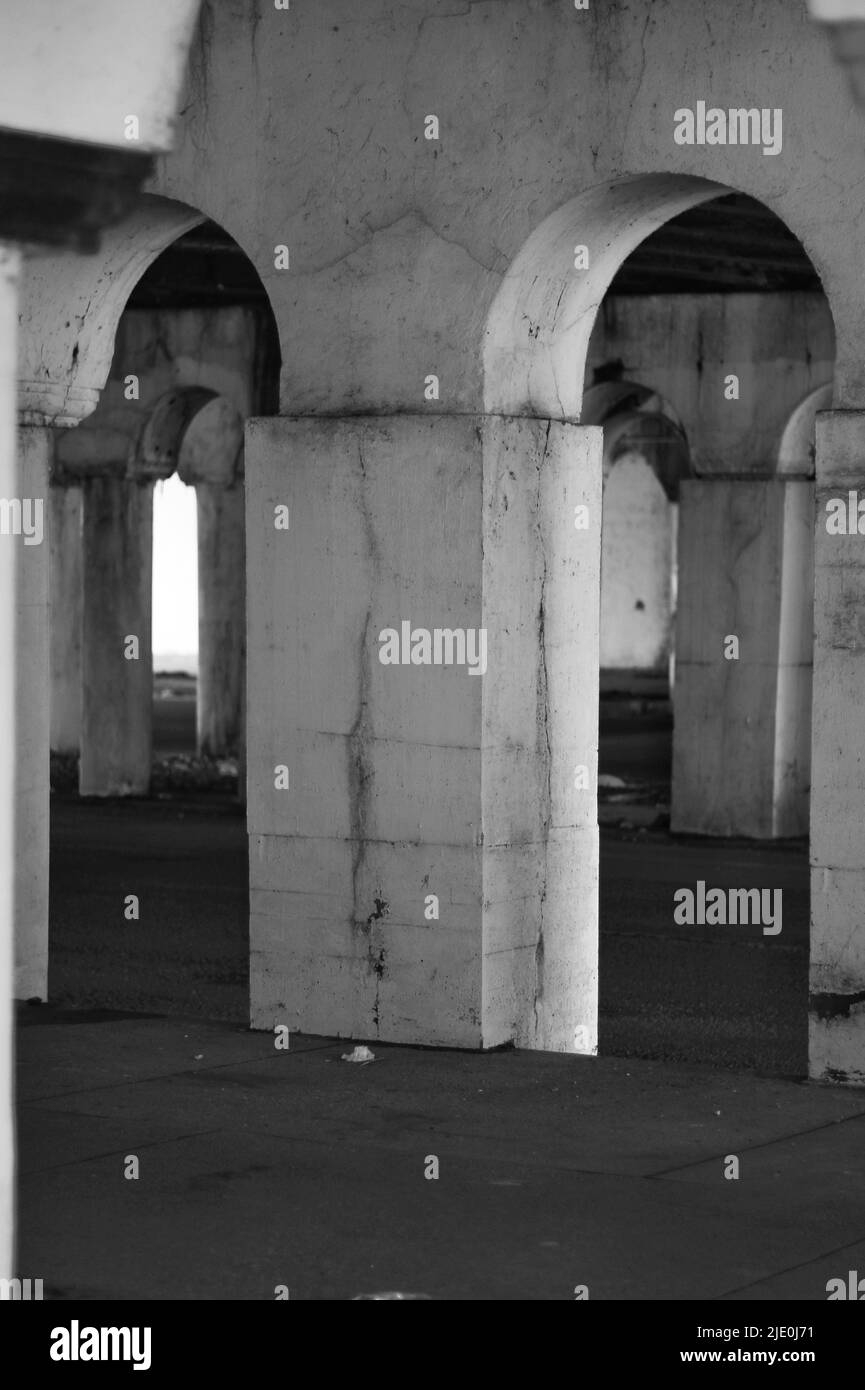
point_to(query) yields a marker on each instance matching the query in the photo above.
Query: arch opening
(668, 319)
(180, 343)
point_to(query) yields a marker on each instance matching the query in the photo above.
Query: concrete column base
(117, 704)
(837, 1022)
(429, 875)
(65, 585)
(741, 731)
(32, 720)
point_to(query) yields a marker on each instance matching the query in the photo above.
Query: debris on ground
(172, 773)
(361, 1297)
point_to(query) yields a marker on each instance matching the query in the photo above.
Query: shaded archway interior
(195, 353)
(726, 266)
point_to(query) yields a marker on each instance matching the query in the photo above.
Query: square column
(65, 594)
(32, 713)
(423, 855)
(741, 730)
(837, 1024)
(117, 701)
(221, 617)
(10, 265)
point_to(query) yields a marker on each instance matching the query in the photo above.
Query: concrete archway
(70, 311)
(657, 438)
(111, 464)
(71, 307)
(162, 437)
(535, 349)
(539, 324)
(607, 399)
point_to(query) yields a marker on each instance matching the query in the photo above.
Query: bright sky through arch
(175, 576)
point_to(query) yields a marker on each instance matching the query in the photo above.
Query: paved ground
(260, 1168)
(723, 995)
(185, 858)
(173, 716)
(726, 995)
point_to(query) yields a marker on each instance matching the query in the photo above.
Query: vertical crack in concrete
(360, 770)
(200, 51)
(360, 773)
(253, 41)
(544, 727)
(368, 528)
(377, 959)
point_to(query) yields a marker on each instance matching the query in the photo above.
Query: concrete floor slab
(797, 1284)
(522, 1103)
(297, 1168)
(49, 1065)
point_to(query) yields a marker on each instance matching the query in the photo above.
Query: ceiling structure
(730, 245)
(202, 269)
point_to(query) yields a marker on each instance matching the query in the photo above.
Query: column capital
(105, 452)
(217, 473)
(51, 403)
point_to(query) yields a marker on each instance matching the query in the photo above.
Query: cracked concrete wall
(305, 128)
(411, 780)
(536, 102)
(383, 803)
(540, 729)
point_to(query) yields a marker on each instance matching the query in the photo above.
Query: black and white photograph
(432, 671)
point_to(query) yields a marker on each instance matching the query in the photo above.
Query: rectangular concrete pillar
(117, 703)
(65, 603)
(742, 694)
(32, 717)
(10, 263)
(837, 1028)
(221, 617)
(541, 604)
(423, 852)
